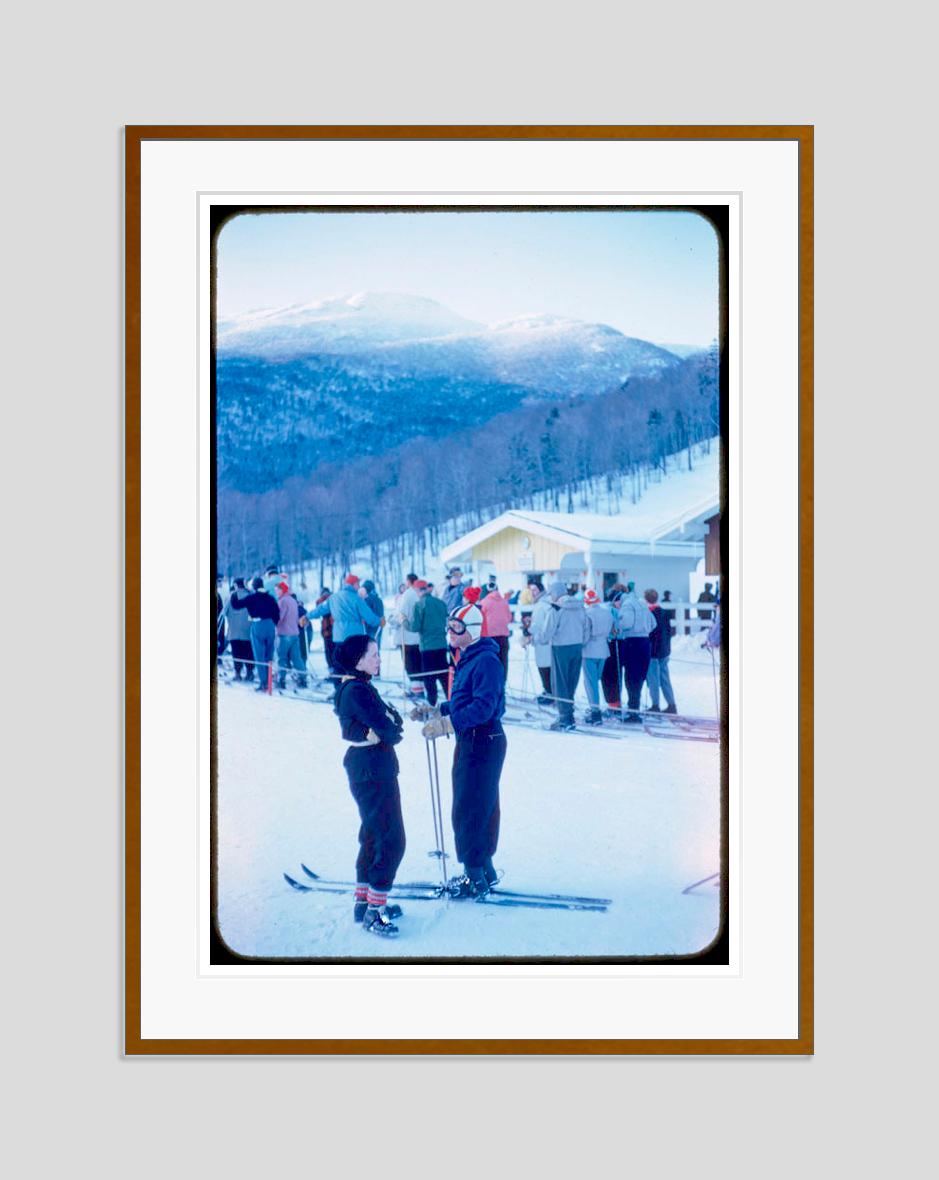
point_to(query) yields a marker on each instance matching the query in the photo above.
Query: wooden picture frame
(137, 1039)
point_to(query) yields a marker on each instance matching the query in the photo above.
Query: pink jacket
(496, 614)
(288, 624)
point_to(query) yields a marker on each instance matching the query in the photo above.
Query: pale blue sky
(649, 274)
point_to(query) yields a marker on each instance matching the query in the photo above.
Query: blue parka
(478, 696)
(351, 615)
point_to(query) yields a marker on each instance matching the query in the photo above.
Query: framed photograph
(468, 546)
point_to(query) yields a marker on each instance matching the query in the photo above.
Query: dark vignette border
(718, 952)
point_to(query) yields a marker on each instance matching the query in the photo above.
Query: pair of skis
(429, 891)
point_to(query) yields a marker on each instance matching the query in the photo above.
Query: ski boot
(653, 709)
(376, 920)
(671, 709)
(358, 913)
(594, 717)
(632, 719)
(544, 699)
(473, 883)
(561, 726)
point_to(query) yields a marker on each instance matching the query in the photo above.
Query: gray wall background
(75, 74)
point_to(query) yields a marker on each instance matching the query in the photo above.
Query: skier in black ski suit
(371, 728)
(474, 713)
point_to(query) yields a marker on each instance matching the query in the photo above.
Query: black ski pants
(434, 668)
(611, 677)
(243, 655)
(634, 656)
(477, 765)
(381, 836)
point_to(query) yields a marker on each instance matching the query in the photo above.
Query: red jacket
(496, 614)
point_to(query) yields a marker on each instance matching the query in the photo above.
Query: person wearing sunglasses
(474, 713)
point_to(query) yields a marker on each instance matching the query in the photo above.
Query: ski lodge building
(662, 549)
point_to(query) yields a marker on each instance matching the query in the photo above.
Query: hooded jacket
(565, 623)
(634, 620)
(539, 613)
(599, 630)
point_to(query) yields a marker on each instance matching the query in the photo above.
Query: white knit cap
(471, 616)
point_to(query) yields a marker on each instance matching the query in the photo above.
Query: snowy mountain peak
(339, 324)
(534, 321)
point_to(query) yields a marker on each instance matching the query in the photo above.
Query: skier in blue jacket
(474, 713)
(351, 614)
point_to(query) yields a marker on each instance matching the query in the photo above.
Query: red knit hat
(352, 580)
(591, 598)
(420, 584)
(472, 593)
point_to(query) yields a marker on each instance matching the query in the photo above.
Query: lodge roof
(671, 514)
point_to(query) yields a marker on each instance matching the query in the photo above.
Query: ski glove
(438, 727)
(423, 712)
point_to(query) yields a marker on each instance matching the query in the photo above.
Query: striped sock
(377, 897)
(361, 891)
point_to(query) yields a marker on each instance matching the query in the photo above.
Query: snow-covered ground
(635, 819)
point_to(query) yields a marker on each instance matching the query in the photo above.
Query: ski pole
(433, 805)
(443, 847)
(717, 703)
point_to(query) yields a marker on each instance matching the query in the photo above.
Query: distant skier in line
(453, 595)
(596, 651)
(660, 651)
(239, 632)
(430, 623)
(474, 713)
(564, 626)
(371, 728)
(541, 604)
(634, 624)
(265, 614)
(350, 614)
(497, 616)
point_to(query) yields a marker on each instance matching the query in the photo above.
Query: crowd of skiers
(617, 645)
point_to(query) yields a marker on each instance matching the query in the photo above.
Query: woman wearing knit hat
(474, 713)
(596, 651)
(371, 728)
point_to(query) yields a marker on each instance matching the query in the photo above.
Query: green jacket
(429, 620)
